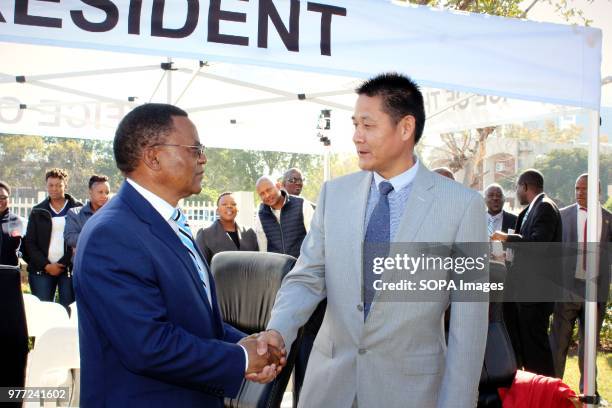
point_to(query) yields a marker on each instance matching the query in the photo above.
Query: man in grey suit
(565, 314)
(370, 352)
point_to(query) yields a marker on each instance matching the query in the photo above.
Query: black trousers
(564, 319)
(527, 325)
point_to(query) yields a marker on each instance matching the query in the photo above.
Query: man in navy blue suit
(149, 324)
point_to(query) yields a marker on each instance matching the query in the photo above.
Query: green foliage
(508, 8)
(608, 204)
(561, 167)
(511, 8)
(26, 158)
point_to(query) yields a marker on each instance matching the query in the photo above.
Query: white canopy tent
(269, 67)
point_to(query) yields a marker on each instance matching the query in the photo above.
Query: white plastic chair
(55, 354)
(41, 316)
(74, 317)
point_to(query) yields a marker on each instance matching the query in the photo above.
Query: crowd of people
(149, 320)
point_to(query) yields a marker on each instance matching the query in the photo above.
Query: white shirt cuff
(246, 358)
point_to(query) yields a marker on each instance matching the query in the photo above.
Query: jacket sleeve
(304, 286)
(72, 229)
(123, 296)
(201, 242)
(36, 257)
(468, 323)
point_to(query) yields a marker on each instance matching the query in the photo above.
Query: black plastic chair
(13, 329)
(499, 367)
(247, 283)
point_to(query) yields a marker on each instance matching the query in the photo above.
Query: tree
(560, 169)
(26, 158)
(608, 204)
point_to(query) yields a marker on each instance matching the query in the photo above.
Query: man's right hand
(268, 344)
(55, 269)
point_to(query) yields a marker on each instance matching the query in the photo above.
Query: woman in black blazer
(225, 234)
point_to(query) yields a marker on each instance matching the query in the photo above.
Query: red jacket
(532, 390)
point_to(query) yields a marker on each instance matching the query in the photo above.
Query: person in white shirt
(45, 251)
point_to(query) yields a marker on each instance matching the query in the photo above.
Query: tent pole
(169, 83)
(326, 162)
(593, 207)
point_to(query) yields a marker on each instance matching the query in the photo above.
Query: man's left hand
(499, 236)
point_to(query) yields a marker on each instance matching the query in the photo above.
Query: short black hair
(57, 173)
(401, 96)
(144, 126)
(5, 186)
(533, 178)
(97, 179)
(225, 193)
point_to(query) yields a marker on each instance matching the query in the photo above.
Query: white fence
(22, 206)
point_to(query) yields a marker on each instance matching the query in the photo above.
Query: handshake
(267, 356)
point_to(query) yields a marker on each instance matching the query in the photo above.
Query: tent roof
(269, 97)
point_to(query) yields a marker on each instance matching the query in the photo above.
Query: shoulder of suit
(208, 229)
(509, 214)
(348, 179)
(446, 186)
(567, 208)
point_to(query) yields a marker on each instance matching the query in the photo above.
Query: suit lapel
(356, 229)
(519, 221)
(162, 230)
(417, 207)
(573, 221)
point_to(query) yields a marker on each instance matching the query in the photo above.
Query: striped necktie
(377, 237)
(491, 226)
(187, 239)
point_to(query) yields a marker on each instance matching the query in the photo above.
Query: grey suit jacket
(569, 216)
(214, 239)
(398, 357)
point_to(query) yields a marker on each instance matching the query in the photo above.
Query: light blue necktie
(491, 226)
(187, 239)
(377, 238)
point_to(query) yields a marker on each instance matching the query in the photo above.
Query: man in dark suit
(150, 330)
(538, 223)
(574, 219)
(497, 218)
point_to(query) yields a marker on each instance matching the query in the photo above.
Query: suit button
(360, 307)
(362, 351)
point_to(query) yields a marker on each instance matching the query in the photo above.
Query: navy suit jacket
(148, 335)
(508, 221)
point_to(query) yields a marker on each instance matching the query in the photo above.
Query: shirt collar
(161, 206)
(401, 180)
(497, 216)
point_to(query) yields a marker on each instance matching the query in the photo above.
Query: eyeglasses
(197, 149)
(294, 180)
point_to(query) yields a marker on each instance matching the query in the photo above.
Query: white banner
(463, 52)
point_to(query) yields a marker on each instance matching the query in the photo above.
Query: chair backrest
(247, 283)
(53, 357)
(13, 328)
(41, 316)
(74, 315)
(499, 366)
